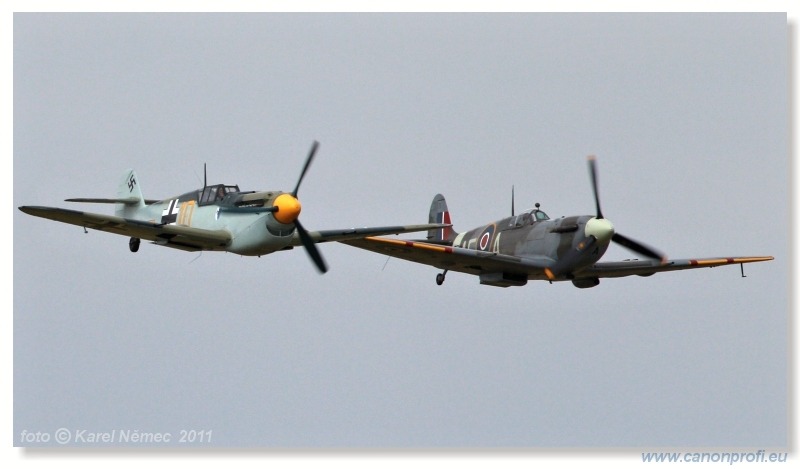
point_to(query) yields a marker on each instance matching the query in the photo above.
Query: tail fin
(129, 189)
(440, 214)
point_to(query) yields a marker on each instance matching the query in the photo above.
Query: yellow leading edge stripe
(398, 242)
(731, 260)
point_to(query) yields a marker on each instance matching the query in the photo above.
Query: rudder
(440, 214)
(129, 188)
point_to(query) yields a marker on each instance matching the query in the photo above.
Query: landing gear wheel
(133, 244)
(440, 278)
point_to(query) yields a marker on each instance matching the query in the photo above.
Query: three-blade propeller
(618, 238)
(599, 228)
(289, 204)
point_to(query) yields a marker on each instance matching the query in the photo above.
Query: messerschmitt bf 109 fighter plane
(531, 246)
(218, 217)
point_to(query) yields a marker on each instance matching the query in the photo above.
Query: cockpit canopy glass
(529, 217)
(215, 193)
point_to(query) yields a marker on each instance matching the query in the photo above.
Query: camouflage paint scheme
(531, 246)
(214, 218)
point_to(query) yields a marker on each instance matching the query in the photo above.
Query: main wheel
(439, 279)
(133, 244)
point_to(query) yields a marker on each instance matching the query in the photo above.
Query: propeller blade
(512, 200)
(569, 260)
(638, 247)
(629, 243)
(311, 247)
(305, 168)
(593, 173)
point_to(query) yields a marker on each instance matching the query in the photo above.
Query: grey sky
(688, 115)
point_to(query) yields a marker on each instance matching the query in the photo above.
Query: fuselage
(533, 234)
(248, 216)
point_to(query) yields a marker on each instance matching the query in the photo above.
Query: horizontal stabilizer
(126, 201)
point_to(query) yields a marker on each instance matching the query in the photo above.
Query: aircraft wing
(480, 262)
(175, 236)
(325, 236)
(650, 267)
(469, 261)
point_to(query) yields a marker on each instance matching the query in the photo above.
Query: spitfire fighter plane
(217, 217)
(532, 246)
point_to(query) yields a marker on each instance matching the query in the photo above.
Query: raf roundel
(486, 238)
(535, 247)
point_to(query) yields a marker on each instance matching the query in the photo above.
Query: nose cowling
(288, 208)
(601, 228)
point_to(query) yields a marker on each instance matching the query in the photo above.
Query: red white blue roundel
(486, 238)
